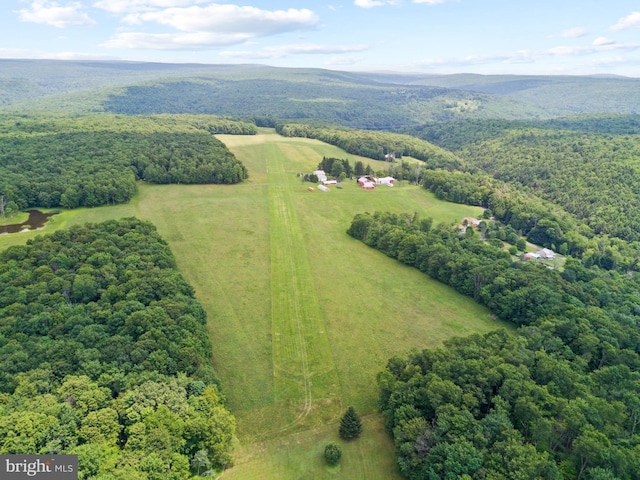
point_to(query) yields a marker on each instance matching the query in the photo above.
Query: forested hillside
(357, 99)
(455, 135)
(555, 94)
(104, 353)
(356, 104)
(557, 400)
(587, 165)
(96, 160)
(595, 177)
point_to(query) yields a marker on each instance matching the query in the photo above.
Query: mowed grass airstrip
(301, 315)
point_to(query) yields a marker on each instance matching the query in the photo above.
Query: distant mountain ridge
(358, 99)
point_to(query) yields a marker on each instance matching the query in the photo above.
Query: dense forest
(91, 161)
(455, 135)
(104, 353)
(595, 177)
(587, 165)
(330, 97)
(557, 400)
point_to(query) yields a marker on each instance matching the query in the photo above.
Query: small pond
(36, 220)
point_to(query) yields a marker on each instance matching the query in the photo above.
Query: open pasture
(301, 315)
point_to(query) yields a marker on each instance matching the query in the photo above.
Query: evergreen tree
(350, 424)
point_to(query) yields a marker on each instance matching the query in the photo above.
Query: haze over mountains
(373, 100)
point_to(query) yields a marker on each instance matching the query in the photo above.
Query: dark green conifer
(350, 424)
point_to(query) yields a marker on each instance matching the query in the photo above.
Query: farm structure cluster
(367, 182)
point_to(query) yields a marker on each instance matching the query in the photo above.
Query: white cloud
(172, 41)
(286, 50)
(54, 14)
(368, 3)
(375, 3)
(601, 41)
(130, 6)
(521, 56)
(231, 19)
(432, 2)
(210, 26)
(75, 56)
(599, 45)
(574, 32)
(31, 54)
(563, 50)
(341, 61)
(630, 21)
(14, 53)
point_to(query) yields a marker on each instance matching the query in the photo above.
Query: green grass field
(17, 217)
(301, 315)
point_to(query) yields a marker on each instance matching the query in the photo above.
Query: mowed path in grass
(339, 311)
(301, 315)
(303, 368)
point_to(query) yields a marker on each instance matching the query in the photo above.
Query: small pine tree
(332, 453)
(350, 424)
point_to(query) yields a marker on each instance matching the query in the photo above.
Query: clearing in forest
(301, 315)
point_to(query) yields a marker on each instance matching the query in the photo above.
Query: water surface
(36, 220)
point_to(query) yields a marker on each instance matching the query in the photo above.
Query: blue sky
(430, 36)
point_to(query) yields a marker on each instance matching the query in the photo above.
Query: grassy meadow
(301, 315)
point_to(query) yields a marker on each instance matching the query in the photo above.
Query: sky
(558, 37)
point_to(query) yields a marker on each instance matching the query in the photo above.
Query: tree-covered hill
(317, 97)
(457, 134)
(595, 177)
(555, 94)
(357, 99)
(588, 165)
(96, 160)
(104, 354)
(36, 79)
(249, 90)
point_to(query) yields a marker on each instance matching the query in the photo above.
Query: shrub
(332, 453)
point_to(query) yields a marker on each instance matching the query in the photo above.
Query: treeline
(104, 353)
(95, 161)
(540, 221)
(373, 145)
(557, 400)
